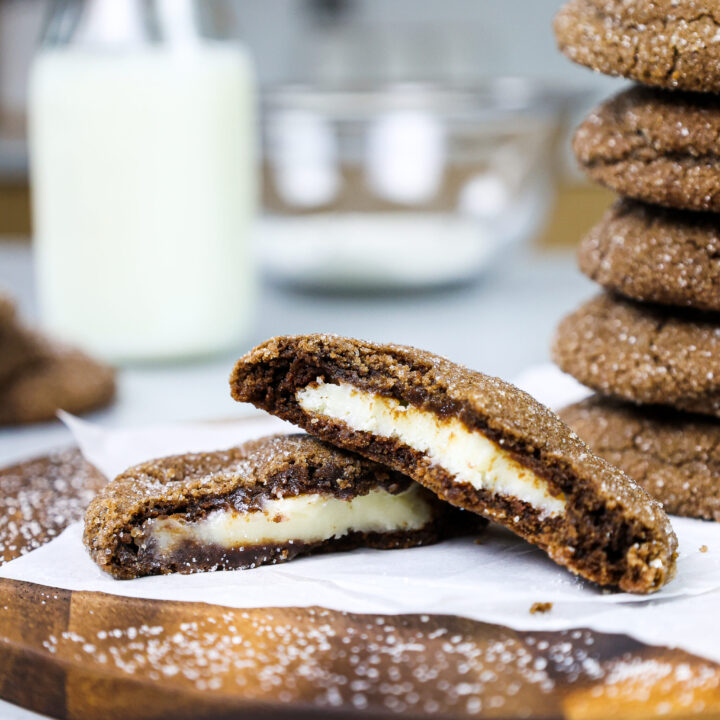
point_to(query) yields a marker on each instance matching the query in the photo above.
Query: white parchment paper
(494, 581)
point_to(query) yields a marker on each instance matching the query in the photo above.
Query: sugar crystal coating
(655, 146)
(583, 538)
(665, 43)
(240, 480)
(41, 497)
(643, 353)
(673, 455)
(655, 255)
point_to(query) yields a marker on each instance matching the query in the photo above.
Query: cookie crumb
(703, 548)
(478, 541)
(540, 607)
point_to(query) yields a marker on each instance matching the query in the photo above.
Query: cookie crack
(673, 65)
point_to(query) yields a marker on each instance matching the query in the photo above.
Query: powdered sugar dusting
(40, 498)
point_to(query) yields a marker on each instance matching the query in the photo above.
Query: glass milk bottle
(143, 177)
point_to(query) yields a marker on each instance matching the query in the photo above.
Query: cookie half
(673, 455)
(666, 43)
(476, 441)
(646, 253)
(655, 146)
(264, 502)
(646, 354)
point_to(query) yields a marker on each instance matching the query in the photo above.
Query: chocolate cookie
(39, 498)
(674, 456)
(666, 43)
(267, 501)
(643, 353)
(475, 441)
(7, 310)
(17, 346)
(671, 257)
(655, 146)
(59, 378)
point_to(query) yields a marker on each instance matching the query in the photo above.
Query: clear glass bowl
(401, 187)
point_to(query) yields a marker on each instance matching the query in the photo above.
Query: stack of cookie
(649, 345)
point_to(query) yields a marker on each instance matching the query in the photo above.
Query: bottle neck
(121, 24)
(178, 22)
(113, 23)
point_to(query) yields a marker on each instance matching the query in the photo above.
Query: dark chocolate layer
(190, 557)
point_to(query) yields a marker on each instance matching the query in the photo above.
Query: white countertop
(499, 325)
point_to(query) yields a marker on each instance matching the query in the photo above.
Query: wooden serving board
(82, 655)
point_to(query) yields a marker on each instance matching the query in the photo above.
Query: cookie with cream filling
(263, 502)
(476, 441)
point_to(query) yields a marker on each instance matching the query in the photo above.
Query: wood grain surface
(81, 655)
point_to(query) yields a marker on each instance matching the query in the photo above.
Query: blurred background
(181, 180)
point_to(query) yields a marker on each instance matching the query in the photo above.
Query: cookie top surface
(384, 367)
(664, 43)
(643, 353)
(492, 405)
(655, 146)
(278, 464)
(675, 456)
(437, 383)
(271, 375)
(39, 498)
(194, 483)
(646, 253)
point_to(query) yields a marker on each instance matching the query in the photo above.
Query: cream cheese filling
(467, 455)
(301, 518)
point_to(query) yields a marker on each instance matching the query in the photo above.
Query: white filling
(302, 518)
(468, 456)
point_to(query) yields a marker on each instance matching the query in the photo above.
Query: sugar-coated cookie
(666, 43)
(267, 501)
(476, 441)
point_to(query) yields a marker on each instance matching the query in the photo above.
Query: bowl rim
(482, 99)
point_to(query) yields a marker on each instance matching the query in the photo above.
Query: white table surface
(499, 325)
